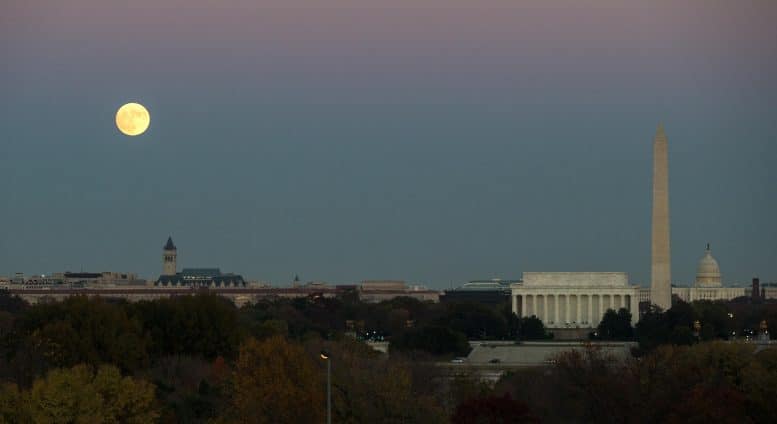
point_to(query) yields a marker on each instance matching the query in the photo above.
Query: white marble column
(545, 314)
(589, 318)
(515, 305)
(555, 309)
(566, 311)
(523, 306)
(577, 309)
(534, 305)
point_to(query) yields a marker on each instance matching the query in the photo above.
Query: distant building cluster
(375, 291)
(566, 300)
(563, 300)
(73, 280)
(172, 282)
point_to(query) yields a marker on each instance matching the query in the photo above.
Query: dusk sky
(433, 141)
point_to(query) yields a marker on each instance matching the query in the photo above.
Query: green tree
(682, 336)
(652, 329)
(531, 328)
(616, 325)
(681, 314)
(11, 303)
(475, 320)
(437, 340)
(204, 324)
(716, 318)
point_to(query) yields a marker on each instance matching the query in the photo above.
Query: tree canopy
(80, 394)
(277, 382)
(616, 325)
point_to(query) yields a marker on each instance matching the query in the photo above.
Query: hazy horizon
(432, 141)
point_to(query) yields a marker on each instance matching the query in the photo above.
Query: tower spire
(660, 269)
(169, 258)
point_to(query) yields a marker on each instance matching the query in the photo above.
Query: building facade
(201, 277)
(193, 277)
(573, 299)
(708, 284)
(375, 291)
(489, 292)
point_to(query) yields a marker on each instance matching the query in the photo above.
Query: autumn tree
(80, 394)
(12, 408)
(492, 410)
(277, 382)
(81, 330)
(369, 388)
(190, 389)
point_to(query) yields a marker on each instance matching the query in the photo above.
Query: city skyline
(169, 267)
(477, 142)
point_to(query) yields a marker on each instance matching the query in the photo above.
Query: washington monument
(660, 270)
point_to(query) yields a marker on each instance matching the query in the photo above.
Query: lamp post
(327, 357)
(697, 329)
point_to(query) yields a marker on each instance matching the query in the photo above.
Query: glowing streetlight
(327, 357)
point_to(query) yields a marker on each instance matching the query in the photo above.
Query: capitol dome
(708, 271)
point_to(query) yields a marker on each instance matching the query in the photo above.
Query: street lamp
(327, 357)
(696, 329)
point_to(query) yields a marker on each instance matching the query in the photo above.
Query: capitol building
(580, 299)
(708, 284)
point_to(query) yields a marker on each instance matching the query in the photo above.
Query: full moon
(132, 119)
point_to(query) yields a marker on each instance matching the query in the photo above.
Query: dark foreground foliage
(709, 382)
(201, 359)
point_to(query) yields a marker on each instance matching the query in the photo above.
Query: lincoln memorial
(573, 299)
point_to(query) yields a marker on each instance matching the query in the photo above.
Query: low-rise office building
(489, 292)
(375, 291)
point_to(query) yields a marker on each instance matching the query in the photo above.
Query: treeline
(200, 358)
(689, 323)
(711, 382)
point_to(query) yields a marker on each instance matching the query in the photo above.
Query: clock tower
(169, 258)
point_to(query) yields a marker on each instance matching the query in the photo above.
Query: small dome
(708, 270)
